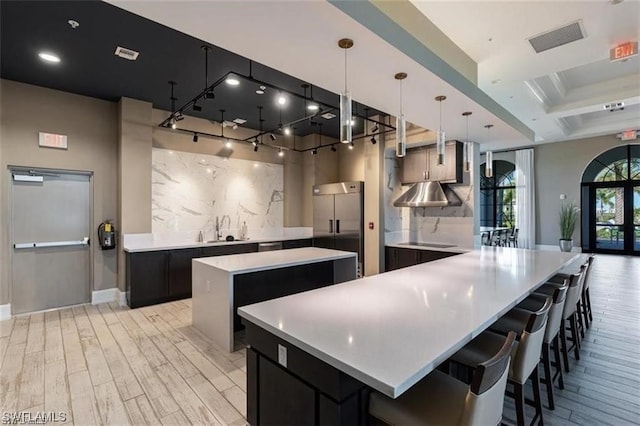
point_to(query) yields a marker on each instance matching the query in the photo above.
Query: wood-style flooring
(107, 364)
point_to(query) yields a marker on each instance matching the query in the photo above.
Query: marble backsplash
(190, 190)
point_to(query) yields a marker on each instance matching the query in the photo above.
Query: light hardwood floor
(106, 364)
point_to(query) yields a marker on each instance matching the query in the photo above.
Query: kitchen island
(314, 357)
(221, 284)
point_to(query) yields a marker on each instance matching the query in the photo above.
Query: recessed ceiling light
(239, 120)
(260, 90)
(49, 57)
(328, 116)
(73, 23)
(231, 81)
(228, 144)
(312, 107)
(353, 121)
(281, 99)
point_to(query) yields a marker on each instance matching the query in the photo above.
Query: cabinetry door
(180, 272)
(407, 257)
(414, 165)
(451, 171)
(147, 278)
(431, 255)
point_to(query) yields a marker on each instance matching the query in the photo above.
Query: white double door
(50, 221)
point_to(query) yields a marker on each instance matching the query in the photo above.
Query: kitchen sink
(434, 245)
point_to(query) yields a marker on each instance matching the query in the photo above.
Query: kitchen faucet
(218, 234)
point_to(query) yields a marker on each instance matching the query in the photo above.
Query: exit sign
(628, 135)
(52, 140)
(623, 51)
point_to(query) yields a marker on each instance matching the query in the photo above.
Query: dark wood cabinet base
(307, 391)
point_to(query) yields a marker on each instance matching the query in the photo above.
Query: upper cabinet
(421, 164)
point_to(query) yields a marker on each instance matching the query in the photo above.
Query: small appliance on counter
(107, 235)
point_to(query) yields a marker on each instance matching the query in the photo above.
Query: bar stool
(525, 357)
(513, 238)
(440, 399)
(516, 320)
(586, 297)
(569, 313)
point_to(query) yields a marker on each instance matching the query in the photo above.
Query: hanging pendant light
(488, 168)
(466, 148)
(401, 123)
(440, 135)
(345, 98)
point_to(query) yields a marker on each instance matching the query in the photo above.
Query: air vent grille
(558, 37)
(125, 53)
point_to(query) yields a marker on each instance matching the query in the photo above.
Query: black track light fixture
(373, 140)
(255, 142)
(333, 148)
(255, 147)
(197, 107)
(374, 129)
(272, 136)
(195, 138)
(351, 145)
(314, 151)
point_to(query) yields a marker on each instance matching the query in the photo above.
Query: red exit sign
(623, 51)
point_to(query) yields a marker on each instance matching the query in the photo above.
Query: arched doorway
(611, 202)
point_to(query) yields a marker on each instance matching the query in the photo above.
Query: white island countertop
(390, 330)
(251, 262)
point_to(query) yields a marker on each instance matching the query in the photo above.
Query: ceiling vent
(125, 53)
(557, 37)
(614, 106)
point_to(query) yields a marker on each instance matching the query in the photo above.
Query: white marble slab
(190, 190)
(213, 283)
(390, 330)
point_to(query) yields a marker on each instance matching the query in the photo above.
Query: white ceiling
(573, 81)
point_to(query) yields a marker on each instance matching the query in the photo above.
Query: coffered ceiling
(559, 93)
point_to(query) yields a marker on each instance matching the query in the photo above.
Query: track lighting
(232, 81)
(272, 136)
(314, 151)
(280, 153)
(353, 121)
(179, 117)
(287, 131)
(255, 142)
(209, 94)
(281, 99)
(255, 147)
(374, 129)
(373, 140)
(172, 123)
(351, 145)
(196, 107)
(228, 144)
(260, 90)
(333, 148)
(195, 137)
(313, 107)
(345, 98)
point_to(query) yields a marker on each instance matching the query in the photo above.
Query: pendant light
(440, 135)
(488, 168)
(401, 123)
(345, 98)
(466, 148)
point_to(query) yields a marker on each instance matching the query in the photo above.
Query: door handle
(337, 226)
(83, 242)
(331, 226)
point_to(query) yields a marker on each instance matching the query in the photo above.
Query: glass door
(609, 219)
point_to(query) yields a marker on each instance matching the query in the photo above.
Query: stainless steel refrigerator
(338, 219)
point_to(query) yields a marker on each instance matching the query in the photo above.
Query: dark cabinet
(147, 278)
(421, 164)
(289, 244)
(229, 249)
(180, 271)
(396, 258)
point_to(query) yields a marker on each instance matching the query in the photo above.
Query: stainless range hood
(428, 194)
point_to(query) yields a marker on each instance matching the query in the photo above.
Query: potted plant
(568, 220)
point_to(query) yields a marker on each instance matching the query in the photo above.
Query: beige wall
(558, 168)
(90, 125)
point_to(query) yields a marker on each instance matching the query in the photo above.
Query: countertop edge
(454, 249)
(187, 245)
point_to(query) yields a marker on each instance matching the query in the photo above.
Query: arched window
(498, 195)
(611, 202)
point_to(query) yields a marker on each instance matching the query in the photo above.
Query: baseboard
(5, 312)
(550, 247)
(105, 296)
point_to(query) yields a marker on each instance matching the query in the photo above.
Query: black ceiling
(89, 66)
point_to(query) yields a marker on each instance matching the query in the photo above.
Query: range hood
(428, 194)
